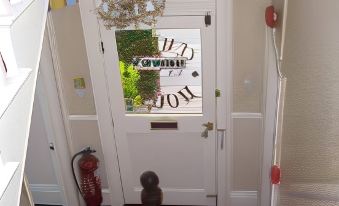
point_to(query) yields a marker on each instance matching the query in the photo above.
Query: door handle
(208, 127)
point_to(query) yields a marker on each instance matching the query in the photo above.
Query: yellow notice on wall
(79, 83)
(79, 86)
(57, 4)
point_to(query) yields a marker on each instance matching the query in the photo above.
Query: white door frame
(106, 127)
(224, 18)
(224, 60)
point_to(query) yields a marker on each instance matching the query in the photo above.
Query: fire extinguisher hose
(86, 150)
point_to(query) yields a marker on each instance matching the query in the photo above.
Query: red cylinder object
(271, 17)
(90, 183)
(275, 175)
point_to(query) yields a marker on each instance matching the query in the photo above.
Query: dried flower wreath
(124, 13)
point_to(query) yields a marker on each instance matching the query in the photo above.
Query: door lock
(208, 127)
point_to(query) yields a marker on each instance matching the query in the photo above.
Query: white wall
(310, 141)
(73, 64)
(39, 168)
(247, 138)
(249, 54)
(248, 77)
(73, 59)
(249, 63)
(38, 151)
(83, 132)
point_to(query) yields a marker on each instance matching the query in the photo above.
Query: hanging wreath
(124, 13)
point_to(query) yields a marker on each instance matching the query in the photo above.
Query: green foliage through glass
(137, 85)
(129, 82)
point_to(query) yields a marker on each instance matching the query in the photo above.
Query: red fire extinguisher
(90, 184)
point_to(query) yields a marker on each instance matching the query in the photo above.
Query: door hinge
(208, 19)
(217, 93)
(102, 47)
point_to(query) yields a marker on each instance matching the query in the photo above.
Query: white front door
(161, 85)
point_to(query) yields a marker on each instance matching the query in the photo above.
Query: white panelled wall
(247, 135)
(44, 184)
(248, 86)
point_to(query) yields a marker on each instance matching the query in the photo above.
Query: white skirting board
(51, 194)
(244, 198)
(46, 194)
(105, 197)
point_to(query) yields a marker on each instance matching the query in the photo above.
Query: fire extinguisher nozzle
(87, 150)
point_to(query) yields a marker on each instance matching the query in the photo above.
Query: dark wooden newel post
(151, 195)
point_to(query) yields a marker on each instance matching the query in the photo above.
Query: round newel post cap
(151, 195)
(149, 180)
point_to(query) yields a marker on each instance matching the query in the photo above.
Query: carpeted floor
(124, 205)
(61, 205)
(46, 205)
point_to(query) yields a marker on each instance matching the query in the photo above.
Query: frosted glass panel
(161, 70)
